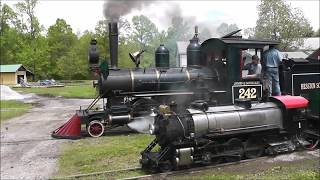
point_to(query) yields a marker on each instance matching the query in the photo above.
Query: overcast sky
(83, 15)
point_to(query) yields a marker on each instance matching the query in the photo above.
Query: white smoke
(141, 124)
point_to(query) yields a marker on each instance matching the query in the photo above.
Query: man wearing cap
(254, 68)
(272, 60)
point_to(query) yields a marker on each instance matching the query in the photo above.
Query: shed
(12, 73)
(181, 59)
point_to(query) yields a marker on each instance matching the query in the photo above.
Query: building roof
(298, 54)
(12, 68)
(249, 41)
(315, 55)
(312, 43)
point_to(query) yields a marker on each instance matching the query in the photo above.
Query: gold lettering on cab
(305, 86)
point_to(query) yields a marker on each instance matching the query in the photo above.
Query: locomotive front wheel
(95, 128)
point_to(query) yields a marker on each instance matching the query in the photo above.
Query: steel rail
(98, 173)
(156, 175)
(190, 170)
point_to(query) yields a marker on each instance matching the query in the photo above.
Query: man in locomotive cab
(254, 68)
(272, 60)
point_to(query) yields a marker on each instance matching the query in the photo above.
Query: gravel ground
(27, 149)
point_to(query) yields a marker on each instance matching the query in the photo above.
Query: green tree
(179, 30)
(204, 34)
(249, 33)
(32, 26)
(61, 40)
(101, 35)
(225, 28)
(8, 18)
(278, 21)
(317, 33)
(30, 30)
(10, 39)
(144, 31)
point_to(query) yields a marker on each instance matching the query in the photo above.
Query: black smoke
(114, 9)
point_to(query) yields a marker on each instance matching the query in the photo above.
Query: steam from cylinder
(141, 124)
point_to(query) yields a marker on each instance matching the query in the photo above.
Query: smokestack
(113, 44)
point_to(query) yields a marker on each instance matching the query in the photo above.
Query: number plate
(247, 90)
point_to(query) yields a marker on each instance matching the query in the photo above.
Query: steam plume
(114, 9)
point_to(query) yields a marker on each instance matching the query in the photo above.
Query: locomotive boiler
(132, 94)
(211, 134)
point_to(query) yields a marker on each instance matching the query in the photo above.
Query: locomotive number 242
(249, 93)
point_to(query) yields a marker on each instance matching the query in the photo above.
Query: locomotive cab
(226, 57)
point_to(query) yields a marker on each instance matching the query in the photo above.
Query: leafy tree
(61, 40)
(101, 35)
(249, 32)
(205, 34)
(144, 31)
(179, 30)
(278, 21)
(316, 33)
(8, 18)
(225, 28)
(10, 39)
(32, 26)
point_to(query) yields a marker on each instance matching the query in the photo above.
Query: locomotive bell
(162, 57)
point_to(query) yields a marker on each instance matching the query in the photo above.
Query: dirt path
(27, 149)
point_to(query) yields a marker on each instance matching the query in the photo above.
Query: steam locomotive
(206, 134)
(214, 74)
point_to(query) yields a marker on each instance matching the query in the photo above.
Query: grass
(102, 154)
(305, 169)
(12, 108)
(294, 174)
(70, 90)
(121, 152)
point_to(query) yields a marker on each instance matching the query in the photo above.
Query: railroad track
(105, 174)
(94, 174)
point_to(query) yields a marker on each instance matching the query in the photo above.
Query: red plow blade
(70, 130)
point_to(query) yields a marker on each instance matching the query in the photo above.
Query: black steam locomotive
(206, 134)
(132, 94)
(214, 74)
